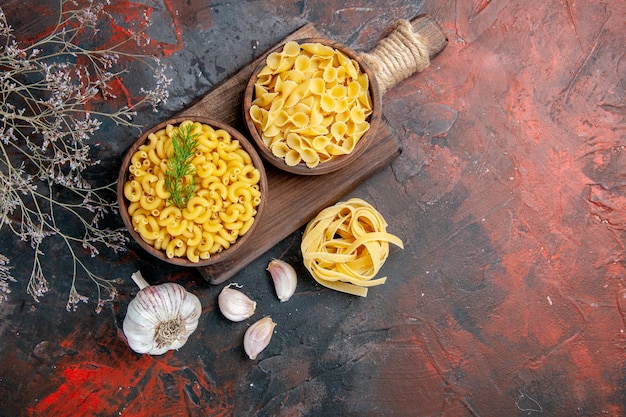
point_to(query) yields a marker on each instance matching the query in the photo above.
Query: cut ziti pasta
(345, 246)
(222, 207)
(312, 103)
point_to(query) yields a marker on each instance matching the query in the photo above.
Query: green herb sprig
(180, 168)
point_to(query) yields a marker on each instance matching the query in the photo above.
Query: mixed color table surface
(509, 297)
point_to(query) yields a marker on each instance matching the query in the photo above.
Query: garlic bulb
(234, 304)
(258, 336)
(284, 277)
(160, 317)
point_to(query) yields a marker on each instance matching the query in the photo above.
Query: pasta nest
(311, 104)
(345, 246)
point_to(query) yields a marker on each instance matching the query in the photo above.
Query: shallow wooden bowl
(335, 163)
(124, 203)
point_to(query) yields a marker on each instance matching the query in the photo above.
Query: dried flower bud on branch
(51, 95)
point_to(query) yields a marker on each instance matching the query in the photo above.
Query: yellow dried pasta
(224, 204)
(304, 90)
(345, 246)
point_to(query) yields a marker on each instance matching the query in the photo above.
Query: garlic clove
(235, 305)
(284, 277)
(258, 336)
(160, 317)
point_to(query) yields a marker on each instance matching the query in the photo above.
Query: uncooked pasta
(345, 246)
(312, 103)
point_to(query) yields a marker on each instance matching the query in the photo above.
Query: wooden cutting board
(294, 200)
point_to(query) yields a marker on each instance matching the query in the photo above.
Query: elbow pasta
(312, 103)
(222, 208)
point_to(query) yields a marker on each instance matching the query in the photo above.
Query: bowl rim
(339, 162)
(123, 203)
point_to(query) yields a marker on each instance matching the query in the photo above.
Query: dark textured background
(510, 196)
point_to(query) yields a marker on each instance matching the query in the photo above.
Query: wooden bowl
(333, 164)
(124, 202)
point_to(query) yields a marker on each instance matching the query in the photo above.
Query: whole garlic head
(160, 317)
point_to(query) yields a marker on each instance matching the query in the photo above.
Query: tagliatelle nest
(345, 246)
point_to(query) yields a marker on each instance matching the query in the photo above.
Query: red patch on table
(112, 379)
